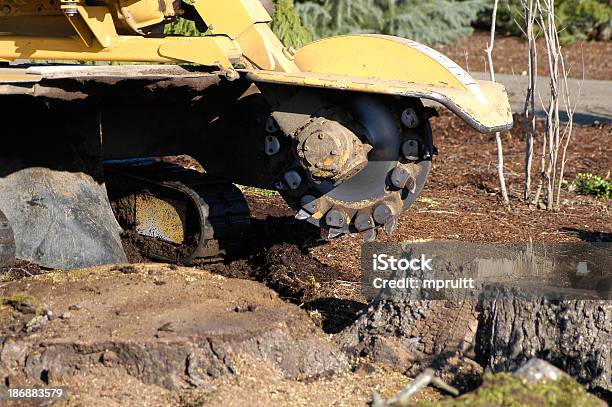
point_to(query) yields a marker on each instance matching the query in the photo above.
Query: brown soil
(510, 56)
(21, 269)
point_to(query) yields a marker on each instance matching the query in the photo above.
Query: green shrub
(576, 19)
(589, 184)
(286, 25)
(429, 21)
(183, 27)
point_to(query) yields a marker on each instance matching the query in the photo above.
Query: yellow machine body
(241, 41)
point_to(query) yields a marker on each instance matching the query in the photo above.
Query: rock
(538, 370)
(36, 323)
(66, 315)
(75, 307)
(205, 338)
(109, 358)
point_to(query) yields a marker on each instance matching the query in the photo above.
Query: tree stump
(574, 335)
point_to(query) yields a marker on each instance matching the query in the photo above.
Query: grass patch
(428, 201)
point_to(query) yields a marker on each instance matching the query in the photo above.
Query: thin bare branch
(498, 141)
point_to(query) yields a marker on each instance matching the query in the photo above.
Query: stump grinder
(93, 93)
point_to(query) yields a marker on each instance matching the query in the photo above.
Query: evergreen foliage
(429, 21)
(183, 27)
(286, 25)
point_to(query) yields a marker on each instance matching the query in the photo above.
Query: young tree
(554, 142)
(498, 141)
(529, 109)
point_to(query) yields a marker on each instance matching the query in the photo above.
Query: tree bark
(574, 335)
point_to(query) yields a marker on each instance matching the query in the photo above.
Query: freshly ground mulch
(510, 56)
(461, 200)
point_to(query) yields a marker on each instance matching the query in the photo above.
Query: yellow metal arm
(240, 33)
(88, 33)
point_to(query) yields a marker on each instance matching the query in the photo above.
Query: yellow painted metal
(231, 17)
(494, 115)
(160, 218)
(81, 29)
(100, 22)
(127, 48)
(263, 49)
(383, 57)
(396, 66)
(141, 13)
(364, 63)
(212, 53)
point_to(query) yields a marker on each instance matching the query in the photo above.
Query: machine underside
(86, 164)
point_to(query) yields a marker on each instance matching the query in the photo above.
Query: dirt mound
(167, 326)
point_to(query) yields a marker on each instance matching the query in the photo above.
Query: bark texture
(574, 335)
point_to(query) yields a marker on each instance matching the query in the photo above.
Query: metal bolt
(309, 203)
(391, 225)
(293, 179)
(302, 215)
(232, 75)
(382, 213)
(289, 53)
(411, 184)
(410, 150)
(399, 177)
(272, 145)
(364, 221)
(369, 236)
(335, 218)
(410, 118)
(271, 126)
(307, 199)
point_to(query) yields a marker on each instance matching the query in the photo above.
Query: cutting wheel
(396, 135)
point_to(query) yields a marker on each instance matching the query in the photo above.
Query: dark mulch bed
(510, 56)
